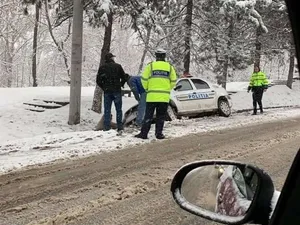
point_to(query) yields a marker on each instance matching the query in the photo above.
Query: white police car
(192, 96)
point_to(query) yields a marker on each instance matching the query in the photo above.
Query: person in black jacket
(110, 78)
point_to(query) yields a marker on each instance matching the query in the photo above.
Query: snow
(104, 19)
(106, 6)
(246, 7)
(29, 138)
(275, 96)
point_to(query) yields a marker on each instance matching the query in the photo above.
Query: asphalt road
(131, 186)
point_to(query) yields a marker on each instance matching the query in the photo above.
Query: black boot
(160, 136)
(254, 112)
(141, 136)
(261, 109)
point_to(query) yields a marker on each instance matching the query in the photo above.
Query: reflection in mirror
(222, 189)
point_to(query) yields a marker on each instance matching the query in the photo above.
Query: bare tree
(258, 47)
(98, 94)
(227, 54)
(146, 48)
(14, 27)
(292, 56)
(34, 46)
(188, 35)
(59, 45)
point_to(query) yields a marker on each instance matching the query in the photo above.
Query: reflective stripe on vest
(158, 91)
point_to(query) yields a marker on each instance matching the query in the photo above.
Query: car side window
(200, 84)
(186, 85)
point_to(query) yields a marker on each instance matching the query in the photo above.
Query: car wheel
(224, 108)
(171, 113)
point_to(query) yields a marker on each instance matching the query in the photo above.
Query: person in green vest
(258, 85)
(158, 79)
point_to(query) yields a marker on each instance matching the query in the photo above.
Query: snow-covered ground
(33, 138)
(278, 95)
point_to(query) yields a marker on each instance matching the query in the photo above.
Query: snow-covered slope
(279, 95)
(30, 137)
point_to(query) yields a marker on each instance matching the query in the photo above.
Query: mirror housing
(177, 87)
(259, 209)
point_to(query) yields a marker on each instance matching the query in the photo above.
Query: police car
(192, 96)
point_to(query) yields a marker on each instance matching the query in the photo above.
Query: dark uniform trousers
(161, 112)
(257, 94)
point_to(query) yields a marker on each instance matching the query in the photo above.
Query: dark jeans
(115, 97)
(161, 112)
(141, 109)
(257, 97)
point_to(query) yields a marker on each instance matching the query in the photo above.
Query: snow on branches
(246, 8)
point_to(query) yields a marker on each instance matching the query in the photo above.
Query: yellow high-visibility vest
(259, 79)
(158, 79)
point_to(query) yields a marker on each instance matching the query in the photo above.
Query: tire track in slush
(78, 192)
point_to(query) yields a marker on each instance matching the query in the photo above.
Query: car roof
(189, 78)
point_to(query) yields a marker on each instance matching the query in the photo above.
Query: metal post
(76, 63)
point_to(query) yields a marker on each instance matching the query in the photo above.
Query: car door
(204, 95)
(182, 96)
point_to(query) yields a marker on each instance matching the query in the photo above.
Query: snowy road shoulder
(17, 154)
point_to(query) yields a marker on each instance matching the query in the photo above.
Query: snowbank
(31, 138)
(237, 86)
(279, 95)
(18, 122)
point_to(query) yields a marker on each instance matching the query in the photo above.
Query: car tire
(171, 113)
(224, 108)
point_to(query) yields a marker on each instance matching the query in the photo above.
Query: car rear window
(186, 85)
(200, 84)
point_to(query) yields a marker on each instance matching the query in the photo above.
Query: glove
(249, 88)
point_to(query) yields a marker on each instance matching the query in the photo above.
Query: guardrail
(129, 92)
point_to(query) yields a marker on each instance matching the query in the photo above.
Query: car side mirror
(178, 87)
(227, 192)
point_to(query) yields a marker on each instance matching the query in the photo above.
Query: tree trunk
(35, 34)
(97, 100)
(8, 62)
(53, 76)
(188, 35)
(76, 63)
(145, 49)
(289, 82)
(22, 73)
(225, 72)
(258, 47)
(227, 57)
(60, 46)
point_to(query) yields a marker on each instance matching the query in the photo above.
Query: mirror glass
(226, 190)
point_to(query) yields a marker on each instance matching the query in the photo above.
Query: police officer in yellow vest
(258, 84)
(158, 79)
